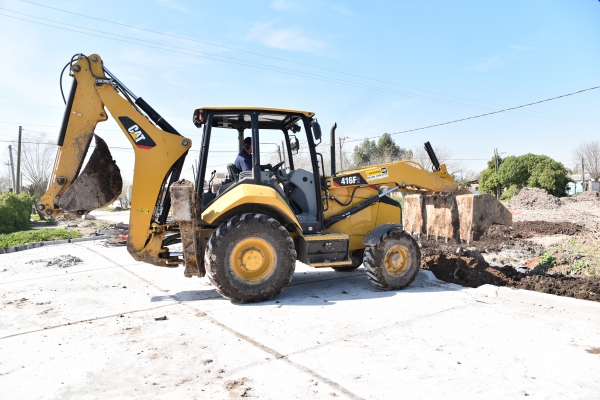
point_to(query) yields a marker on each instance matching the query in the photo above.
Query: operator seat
(233, 171)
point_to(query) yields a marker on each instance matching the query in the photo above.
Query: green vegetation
(384, 150)
(576, 257)
(40, 235)
(15, 210)
(547, 259)
(529, 170)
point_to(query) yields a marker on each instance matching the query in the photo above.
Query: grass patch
(107, 208)
(40, 235)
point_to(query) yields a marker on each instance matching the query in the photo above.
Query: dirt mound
(497, 237)
(587, 288)
(474, 272)
(533, 199)
(588, 196)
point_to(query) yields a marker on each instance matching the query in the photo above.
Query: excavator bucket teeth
(465, 217)
(98, 185)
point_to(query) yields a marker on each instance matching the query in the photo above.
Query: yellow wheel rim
(253, 259)
(397, 260)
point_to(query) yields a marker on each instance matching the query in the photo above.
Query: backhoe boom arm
(159, 155)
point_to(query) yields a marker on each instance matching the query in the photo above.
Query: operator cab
(278, 161)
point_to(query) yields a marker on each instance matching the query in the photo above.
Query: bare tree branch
(590, 152)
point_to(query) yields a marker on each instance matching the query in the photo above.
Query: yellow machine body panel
(248, 194)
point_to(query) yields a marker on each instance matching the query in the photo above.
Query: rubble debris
(62, 261)
(533, 199)
(163, 318)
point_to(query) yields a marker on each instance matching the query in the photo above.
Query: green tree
(530, 170)
(489, 180)
(384, 150)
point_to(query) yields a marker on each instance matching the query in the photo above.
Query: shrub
(15, 210)
(510, 193)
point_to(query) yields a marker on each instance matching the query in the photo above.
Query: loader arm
(408, 175)
(439, 206)
(159, 155)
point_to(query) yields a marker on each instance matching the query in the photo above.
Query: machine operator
(243, 161)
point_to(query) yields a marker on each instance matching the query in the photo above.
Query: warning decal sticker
(377, 173)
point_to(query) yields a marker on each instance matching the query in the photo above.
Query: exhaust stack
(332, 146)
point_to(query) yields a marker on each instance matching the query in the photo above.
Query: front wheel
(394, 262)
(250, 258)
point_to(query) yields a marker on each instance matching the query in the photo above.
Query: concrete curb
(29, 246)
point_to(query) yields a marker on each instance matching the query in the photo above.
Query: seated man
(243, 161)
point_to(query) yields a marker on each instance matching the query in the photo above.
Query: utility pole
(582, 176)
(283, 148)
(12, 166)
(342, 140)
(279, 152)
(496, 170)
(19, 180)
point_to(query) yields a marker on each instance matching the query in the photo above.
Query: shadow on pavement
(322, 288)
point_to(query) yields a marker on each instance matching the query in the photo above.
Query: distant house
(473, 186)
(576, 187)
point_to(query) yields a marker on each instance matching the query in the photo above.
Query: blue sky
(372, 67)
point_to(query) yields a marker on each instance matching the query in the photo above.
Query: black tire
(356, 257)
(394, 245)
(228, 274)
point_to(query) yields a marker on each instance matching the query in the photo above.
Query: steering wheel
(275, 167)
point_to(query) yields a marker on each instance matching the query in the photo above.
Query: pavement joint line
(52, 276)
(382, 328)
(240, 335)
(86, 320)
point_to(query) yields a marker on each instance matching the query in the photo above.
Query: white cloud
(283, 38)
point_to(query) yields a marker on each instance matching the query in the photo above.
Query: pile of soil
(474, 272)
(533, 199)
(498, 237)
(588, 196)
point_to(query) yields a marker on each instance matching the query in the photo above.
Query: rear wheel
(250, 258)
(394, 262)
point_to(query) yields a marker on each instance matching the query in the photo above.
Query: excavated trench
(439, 257)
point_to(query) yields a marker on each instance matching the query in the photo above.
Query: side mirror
(294, 144)
(316, 128)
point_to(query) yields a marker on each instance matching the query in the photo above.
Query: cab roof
(236, 118)
(267, 109)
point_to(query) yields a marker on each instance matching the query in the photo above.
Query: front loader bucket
(465, 217)
(98, 185)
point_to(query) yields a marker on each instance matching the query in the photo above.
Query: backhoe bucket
(98, 185)
(459, 217)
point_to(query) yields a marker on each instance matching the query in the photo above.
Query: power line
(272, 68)
(482, 115)
(267, 56)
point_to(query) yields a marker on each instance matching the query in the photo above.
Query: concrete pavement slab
(327, 335)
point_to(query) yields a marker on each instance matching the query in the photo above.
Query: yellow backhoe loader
(247, 232)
